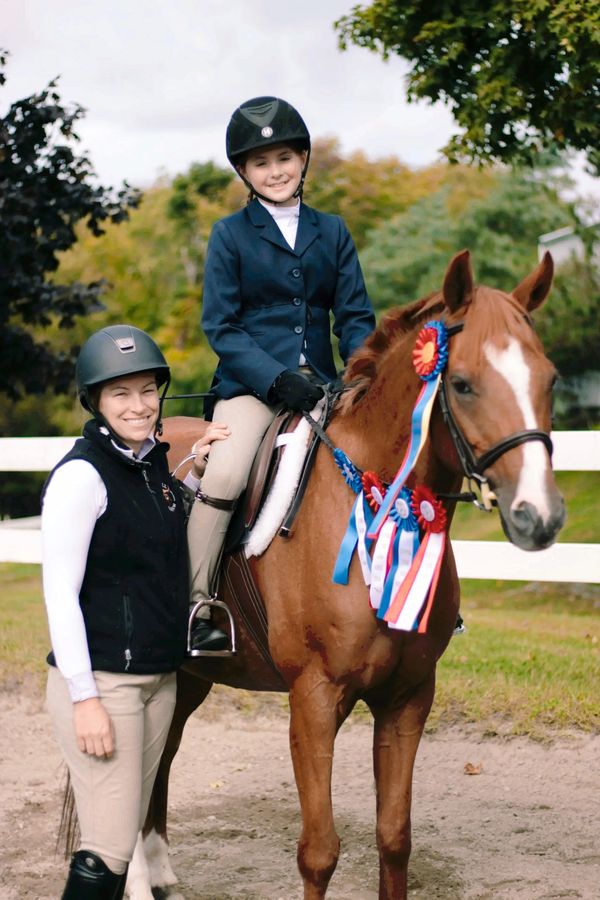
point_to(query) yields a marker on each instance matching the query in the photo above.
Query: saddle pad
(264, 466)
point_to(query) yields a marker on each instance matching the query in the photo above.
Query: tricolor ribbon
(403, 545)
(430, 356)
(411, 604)
(368, 500)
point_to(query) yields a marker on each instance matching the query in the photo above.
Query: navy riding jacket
(264, 304)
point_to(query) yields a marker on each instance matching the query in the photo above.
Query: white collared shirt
(286, 218)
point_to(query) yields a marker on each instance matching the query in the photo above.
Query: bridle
(474, 466)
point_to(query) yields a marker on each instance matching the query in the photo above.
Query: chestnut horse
(328, 648)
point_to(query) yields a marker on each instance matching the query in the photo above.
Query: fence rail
(20, 539)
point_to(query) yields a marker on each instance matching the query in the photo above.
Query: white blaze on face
(511, 365)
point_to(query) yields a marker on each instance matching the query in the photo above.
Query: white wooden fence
(20, 539)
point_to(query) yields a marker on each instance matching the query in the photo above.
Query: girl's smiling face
(275, 173)
(130, 405)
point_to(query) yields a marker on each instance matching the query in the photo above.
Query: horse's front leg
(150, 866)
(316, 713)
(397, 734)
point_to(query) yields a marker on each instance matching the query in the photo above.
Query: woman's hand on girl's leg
(216, 431)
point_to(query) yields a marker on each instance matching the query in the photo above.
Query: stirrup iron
(195, 609)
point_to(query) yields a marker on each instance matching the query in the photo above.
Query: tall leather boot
(91, 879)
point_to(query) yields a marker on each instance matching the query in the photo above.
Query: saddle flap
(265, 465)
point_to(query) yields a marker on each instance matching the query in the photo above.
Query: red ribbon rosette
(426, 352)
(429, 511)
(373, 489)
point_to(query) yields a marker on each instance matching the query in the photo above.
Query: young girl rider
(115, 573)
(275, 274)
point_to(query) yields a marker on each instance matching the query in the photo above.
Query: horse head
(497, 397)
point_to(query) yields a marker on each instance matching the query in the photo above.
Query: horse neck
(375, 433)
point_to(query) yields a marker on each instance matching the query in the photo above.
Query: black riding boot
(206, 637)
(91, 879)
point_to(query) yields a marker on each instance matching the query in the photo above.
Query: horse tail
(68, 829)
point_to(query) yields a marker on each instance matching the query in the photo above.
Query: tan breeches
(112, 795)
(226, 475)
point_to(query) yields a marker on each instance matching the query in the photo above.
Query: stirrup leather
(211, 603)
(215, 502)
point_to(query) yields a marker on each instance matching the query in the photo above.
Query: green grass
(581, 491)
(528, 664)
(24, 640)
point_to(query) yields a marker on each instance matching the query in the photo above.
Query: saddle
(237, 588)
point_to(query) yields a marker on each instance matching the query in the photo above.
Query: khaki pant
(112, 795)
(226, 475)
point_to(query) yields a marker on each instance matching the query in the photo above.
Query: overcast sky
(160, 79)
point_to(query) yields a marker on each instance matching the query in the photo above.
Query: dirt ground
(526, 827)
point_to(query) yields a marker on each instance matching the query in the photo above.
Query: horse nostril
(524, 517)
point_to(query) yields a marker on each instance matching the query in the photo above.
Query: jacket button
(296, 273)
(298, 329)
(296, 301)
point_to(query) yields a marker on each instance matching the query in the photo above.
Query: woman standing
(278, 274)
(115, 573)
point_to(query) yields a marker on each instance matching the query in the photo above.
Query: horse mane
(364, 362)
(497, 312)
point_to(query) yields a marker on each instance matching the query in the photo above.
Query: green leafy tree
(568, 324)
(364, 192)
(518, 75)
(406, 257)
(45, 190)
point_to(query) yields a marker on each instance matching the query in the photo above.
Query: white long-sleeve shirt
(74, 500)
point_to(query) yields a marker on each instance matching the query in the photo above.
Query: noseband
(474, 467)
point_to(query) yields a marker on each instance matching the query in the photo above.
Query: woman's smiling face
(275, 173)
(130, 406)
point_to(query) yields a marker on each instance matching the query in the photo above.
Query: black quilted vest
(134, 595)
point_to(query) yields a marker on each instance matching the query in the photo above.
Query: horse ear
(534, 289)
(458, 281)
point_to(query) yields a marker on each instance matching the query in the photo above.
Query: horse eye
(460, 385)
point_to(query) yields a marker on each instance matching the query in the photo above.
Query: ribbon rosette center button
(402, 508)
(427, 511)
(376, 495)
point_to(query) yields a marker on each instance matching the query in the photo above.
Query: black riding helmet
(115, 351)
(262, 122)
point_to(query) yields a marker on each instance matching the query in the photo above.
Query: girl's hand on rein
(94, 729)
(216, 431)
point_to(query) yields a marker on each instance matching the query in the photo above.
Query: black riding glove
(295, 391)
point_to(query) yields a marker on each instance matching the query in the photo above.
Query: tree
(518, 75)
(364, 192)
(45, 190)
(406, 257)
